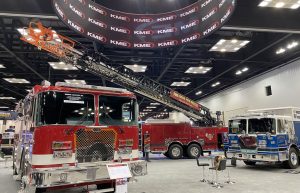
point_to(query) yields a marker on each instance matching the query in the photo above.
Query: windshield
(237, 126)
(264, 125)
(117, 110)
(65, 108)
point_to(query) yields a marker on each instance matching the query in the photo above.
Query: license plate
(248, 151)
(62, 154)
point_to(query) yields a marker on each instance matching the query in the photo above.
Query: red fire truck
(176, 140)
(69, 133)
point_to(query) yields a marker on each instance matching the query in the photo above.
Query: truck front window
(264, 125)
(117, 110)
(65, 108)
(237, 126)
(283, 126)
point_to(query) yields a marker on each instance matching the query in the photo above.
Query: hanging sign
(129, 30)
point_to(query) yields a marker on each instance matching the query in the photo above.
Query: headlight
(262, 143)
(234, 141)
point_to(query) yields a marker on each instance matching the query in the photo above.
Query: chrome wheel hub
(294, 158)
(176, 152)
(194, 151)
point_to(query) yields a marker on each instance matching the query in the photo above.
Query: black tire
(14, 170)
(250, 163)
(225, 153)
(40, 190)
(175, 151)
(194, 151)
(167, 155)
(293, 161)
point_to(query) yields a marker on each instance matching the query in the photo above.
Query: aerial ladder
(64, 49)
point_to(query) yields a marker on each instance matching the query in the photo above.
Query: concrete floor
(182, 176)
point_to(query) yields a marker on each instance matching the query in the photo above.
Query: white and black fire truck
(266, 135)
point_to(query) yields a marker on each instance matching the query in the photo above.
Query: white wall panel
(285, 83)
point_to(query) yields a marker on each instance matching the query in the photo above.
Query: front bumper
(263, 157)
(82, 174)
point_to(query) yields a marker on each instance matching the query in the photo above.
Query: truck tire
(194, 151)
(167, 154)
(175, 151)
(293, 161)
(40, 190)
(250, 163)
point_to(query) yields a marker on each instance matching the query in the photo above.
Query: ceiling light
(155, 104)
(289, 4)
(7, 98)
(16, 80)
(229, 45)
(245, 69)
(280, 51)
(62, 66)
(22, 31)
(221, 42)
(238, 72)
(199, 93)
(4, 107)
(137, 68)
(215, 84)
(234, 41)
(198, 70)
(263, 4)
(2, 66)
(74, 81)
(292, 45)
(279, 4)
(181, 84)
(151, 107)
(295, 6)
(28, 90)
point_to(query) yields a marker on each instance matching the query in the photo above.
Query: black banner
(144, 31)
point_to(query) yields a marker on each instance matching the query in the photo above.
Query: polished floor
(183, 176)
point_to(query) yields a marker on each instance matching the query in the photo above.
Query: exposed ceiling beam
(258, 29)
(21, 61)
(17, 93)
(25, 15)
(170, 63)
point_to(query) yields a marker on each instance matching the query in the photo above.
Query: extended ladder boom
(121, 75)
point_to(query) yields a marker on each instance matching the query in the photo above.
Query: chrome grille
(93, 146)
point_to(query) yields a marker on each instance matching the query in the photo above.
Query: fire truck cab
(69, 133)
(266, 135)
